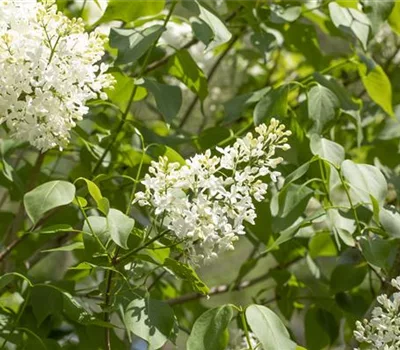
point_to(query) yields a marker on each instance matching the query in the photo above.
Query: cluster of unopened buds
(206, 202)
(382, 330)
(49, 70)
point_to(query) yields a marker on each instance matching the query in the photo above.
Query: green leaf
(378, 252)
(273, 104)
(280, 14)
(101, 229)
(322, 106)
(168, 98)
(151, 320)
(211, 137)
(7, 278)
(133, 44)
(342, 226)
(66, 248)
(303, 38)
(299, 172)
(209, 28)
(327, 150)
(120, 227)
(288, 205)
(48, 196)
(268, 328)
(390, 220)
(344, 96)
(394, 18)
(351, 21)
(74, 311)
(262, 224)
(186, 273)
(322, 323)
(347, 276)
(183, 67)
(165, 151)
(377, 12)
(202, 30)
(210, 331)
(377, 84)
(122, 90)
(263, 40)
(322, 245)
(45, 301)
(128, 11)
(235, 107)
(348, 3)
(102, 203)
(365, 181)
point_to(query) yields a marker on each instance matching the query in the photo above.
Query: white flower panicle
(382, 331)
(48, 72)
(206, 202)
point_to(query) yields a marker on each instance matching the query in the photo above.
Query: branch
(224, 288)
(8, 249)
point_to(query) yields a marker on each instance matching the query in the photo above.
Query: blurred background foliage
(193, 75)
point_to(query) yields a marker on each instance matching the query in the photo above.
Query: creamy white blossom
(48, 72)
(206, 202)
(382, 330)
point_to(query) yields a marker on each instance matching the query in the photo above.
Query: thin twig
(210, 75)
(107, 296)
(19, 217)
(189, 44)
(131, 98)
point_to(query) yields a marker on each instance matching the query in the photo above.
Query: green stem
(246, 330)
(326, 70)
(91, 228)
(133, 252)
(107, 333)
(350, 200)
(324, 181)
(137, 176)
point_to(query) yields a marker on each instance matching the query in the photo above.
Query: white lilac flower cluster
(206, 202)
(382, 331)
(48, 72)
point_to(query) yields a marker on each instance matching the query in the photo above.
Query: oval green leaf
(48, 196)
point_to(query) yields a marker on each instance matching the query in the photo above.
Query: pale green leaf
(351, 21)
(131, 10)
(268, 328)
(327, 150)
(183, 67)
(210, 331)
(323, 105)
(377, 84)
(120, 227)
(152, 320)
(48, 196)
